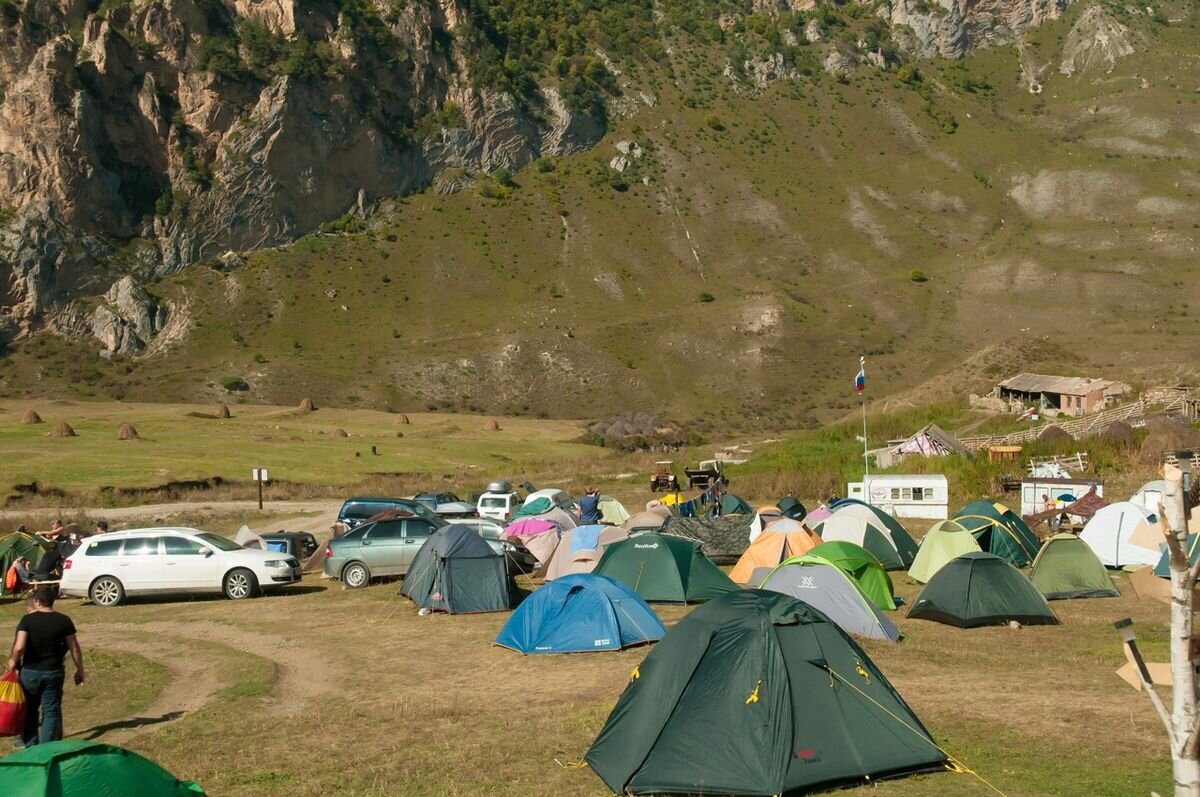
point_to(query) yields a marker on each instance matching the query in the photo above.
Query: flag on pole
(860, 381)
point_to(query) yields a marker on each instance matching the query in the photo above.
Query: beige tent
(643, 521)
(658, 507)
(564, 562)
(612, 510)
(772, 547)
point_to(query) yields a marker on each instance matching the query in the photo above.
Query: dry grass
(401, 704)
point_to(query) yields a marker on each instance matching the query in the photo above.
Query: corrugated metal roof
(1063, 385)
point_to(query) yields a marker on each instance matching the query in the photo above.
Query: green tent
(665, 568)
(87, 769)
(999, 530)
(871, 528)
(981, 589)
(732, 505)
(945, 540)
(860, 566)
(757, 693)
(535, 507)
(456, 571)
(1067, 567)
(19, 544)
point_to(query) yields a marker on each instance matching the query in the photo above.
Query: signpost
(259, 475)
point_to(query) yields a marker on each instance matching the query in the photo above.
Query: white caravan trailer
(923, 495)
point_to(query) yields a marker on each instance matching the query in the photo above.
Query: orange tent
(769, 549)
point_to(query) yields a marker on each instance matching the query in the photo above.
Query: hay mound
(403, 420)
(638, 431)
(223, 411)
(31, 416)
(306, 405)
(63, 430)
(491, 426)
(1118, 434)
(1165, 434)
(340, 433)
(127, 432)
(1055, 434)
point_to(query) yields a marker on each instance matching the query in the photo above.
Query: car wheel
(356, 575)
(240, 584)
(106, 591)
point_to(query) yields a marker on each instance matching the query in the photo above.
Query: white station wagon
(108, 567)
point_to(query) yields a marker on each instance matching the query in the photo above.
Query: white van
(498, 506)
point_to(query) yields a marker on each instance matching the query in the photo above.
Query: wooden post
(260, 493)
(1183, 724)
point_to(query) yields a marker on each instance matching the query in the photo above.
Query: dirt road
(313, 516)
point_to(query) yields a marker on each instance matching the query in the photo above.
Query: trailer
(917, 495)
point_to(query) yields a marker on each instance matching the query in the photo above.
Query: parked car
(112, 566)
(299, 544)
(387, 547)
(448, 505)
(498, 502)
(355, 511)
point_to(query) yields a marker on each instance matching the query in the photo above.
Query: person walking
(589, 507)
(44, 637)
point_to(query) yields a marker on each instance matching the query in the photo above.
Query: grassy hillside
(735, 271)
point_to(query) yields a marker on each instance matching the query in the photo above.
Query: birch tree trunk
(1183, 730)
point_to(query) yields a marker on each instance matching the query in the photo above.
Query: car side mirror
(206, 552)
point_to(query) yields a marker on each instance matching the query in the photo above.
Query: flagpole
(862, 362)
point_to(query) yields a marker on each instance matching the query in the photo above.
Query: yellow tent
(769, 549)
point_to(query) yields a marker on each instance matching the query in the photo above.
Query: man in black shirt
(43, 639)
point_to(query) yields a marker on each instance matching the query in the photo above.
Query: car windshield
(218, 542)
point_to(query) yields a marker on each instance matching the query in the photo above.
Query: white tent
(612, 511)
(1149, 495)
(1109, 534)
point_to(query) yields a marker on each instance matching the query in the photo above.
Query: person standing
(589, 507)
(44, 637)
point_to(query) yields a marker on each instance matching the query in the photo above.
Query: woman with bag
(43, 639)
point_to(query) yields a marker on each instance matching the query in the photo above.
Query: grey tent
(457, 571)
(825, 587)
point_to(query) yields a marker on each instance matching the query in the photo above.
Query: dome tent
(71, 768)
(456, 571)
(771, 547)
(1112, 533)
(945, 540)
(663, 567)
(826, 588)
(981, 589)
(801, 707)
(862, 567)
(865, 526)
(1067, 568)
(1000, 531)
(580, 613)
(580, 549)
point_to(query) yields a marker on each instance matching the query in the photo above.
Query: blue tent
(578, 613)
(1164, 563)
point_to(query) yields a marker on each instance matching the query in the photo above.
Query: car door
(416, 532)
(140, 565)
(187, 567)
(382, 547)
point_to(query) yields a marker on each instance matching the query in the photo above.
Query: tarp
(1111, 535)
(945, 540)
(724, 538)
(535, 507)
(825, 587)
(757, 693)
(580, 613)
(457, 571)
(861, 566)
(1067, 568)
(772, 547)
(663, 567)
(248, 539)
(72, 768)
(1000, 531)
(978, 589)
(573, 556)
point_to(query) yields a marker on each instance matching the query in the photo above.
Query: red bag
(12, 705)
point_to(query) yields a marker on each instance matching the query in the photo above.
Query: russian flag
(860, 380)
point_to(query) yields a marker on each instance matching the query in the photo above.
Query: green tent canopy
(87, 769)
(1000, 531)
(19, 544)
(664, 568)
(757, 693)
(981, 589)
(732, 505)
(945, 540)
(1067, 567)
(535, 507)
(860, 566)
(456, 571)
